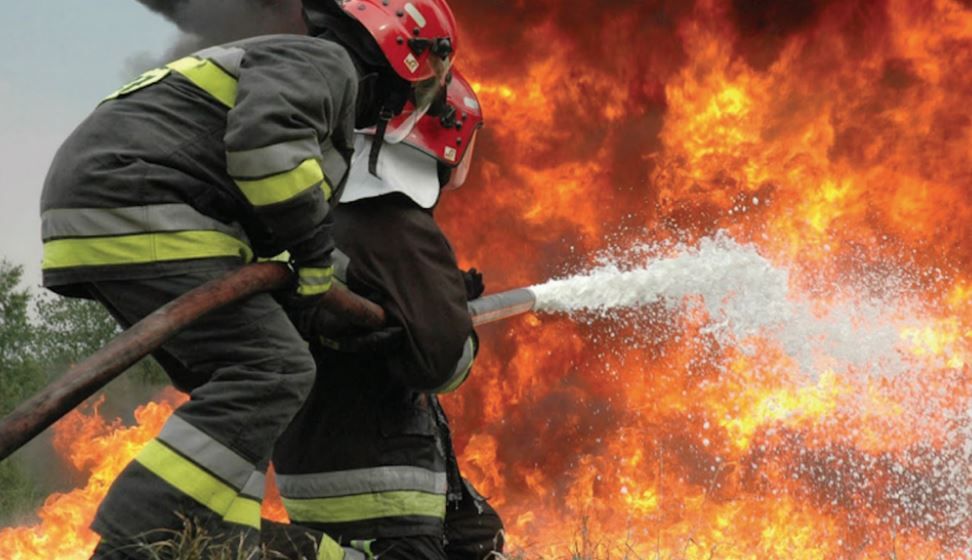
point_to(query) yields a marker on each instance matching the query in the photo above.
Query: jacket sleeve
(291, 96)
(400, 257)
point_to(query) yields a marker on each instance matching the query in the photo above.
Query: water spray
(742, 294)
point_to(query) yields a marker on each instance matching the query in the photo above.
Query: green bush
(41, 336)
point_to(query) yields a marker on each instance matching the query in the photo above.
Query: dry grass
(584, 546)
(193, 542)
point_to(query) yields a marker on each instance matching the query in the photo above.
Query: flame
(99, 448)
(835, 137)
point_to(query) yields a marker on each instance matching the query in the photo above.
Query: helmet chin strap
(392, 105)
(366, 101)
(383, 117)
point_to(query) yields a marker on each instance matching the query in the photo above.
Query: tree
(40, 338)
(20, 370)
(69, 330)
(20, 377)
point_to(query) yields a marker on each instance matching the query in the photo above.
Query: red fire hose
(88, 376)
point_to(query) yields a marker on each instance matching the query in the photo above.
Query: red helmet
(450, 135)
(418, 37)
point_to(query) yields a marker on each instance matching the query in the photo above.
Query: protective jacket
(174, 179)
(233, 151)
(366, 457)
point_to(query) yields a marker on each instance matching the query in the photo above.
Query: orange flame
(101, 449)
(835, 136)
(832, 135)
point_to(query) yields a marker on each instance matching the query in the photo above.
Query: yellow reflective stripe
(363, 546)
(146, 79)
(279, 257)
(198, 484)
(142, 248)
(243, 511)
(366, 506)
(315, 290)
(329, 549)
(312, 281)
(286, 185)
(208, 77)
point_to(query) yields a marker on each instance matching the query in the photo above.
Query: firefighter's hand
(473, 279)
(303, 312)
(301, 299)
(311, 318)
(314, 321)
(379, 342)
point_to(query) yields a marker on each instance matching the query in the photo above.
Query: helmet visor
(461, 172)
(425, 93)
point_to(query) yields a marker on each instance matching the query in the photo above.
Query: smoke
(205, 23)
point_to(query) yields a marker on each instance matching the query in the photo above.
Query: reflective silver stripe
(206, 452)
(270, 160)
(99, 222)
(352, 554)
(313, 280)
(462, 367)
(361, 481)
(229, 59)
(468, 355)
(255, 486)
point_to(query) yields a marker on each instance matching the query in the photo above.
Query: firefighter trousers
(473, 531)
(247, 371)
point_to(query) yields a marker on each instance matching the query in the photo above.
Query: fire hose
(91, 374)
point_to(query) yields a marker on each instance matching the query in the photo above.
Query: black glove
(301, 311)
(381, 342)
(473, 279)
(314, 321)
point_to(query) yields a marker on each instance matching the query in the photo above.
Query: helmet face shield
(447, 130)
(400, 127)
(424, 93)
(441, 68)
(461, 172)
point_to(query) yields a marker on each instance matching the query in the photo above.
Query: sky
(61, 57)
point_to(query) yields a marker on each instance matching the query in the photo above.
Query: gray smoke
(210, 22)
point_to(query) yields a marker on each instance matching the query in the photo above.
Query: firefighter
(192, 170)
(368, 459)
